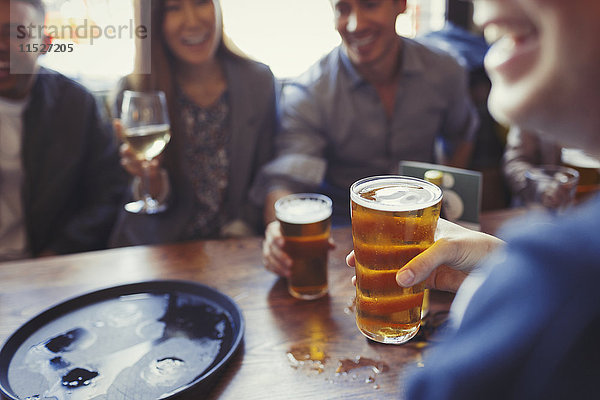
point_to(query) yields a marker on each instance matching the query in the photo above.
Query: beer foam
(578, 158)
(395, 193)
(296, 209)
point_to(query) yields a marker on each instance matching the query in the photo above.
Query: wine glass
(550, 187)
(146, 130)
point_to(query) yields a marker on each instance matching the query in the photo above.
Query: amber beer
(588, 168)
(305, 220)
(393, 219)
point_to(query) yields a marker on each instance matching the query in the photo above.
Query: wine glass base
(142, 207)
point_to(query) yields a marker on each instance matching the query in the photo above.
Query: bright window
(97, 62)
(288, 35)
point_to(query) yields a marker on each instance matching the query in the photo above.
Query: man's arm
(299, 163)
(101, 187)
(298, 166)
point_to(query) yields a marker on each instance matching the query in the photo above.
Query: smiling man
(60, 178)
(373, 101)
(525, 323)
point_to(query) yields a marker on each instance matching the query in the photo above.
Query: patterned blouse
(206, 159)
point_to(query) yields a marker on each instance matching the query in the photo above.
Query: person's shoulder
(432, 57)
(583, 216)
(429, 52)
(247, 75)
(467, 47)
(570, 238)
(321, 73)
(52, 77)
(53, 82)
(249, 66)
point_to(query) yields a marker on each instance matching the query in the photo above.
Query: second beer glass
(305, 220)
(393, 219)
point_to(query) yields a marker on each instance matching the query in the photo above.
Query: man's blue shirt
(531, 330)
(335, 129)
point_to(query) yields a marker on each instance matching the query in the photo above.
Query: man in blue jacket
(60, 179)
(525, 322)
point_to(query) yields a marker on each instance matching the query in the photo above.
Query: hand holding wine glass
(146, 131)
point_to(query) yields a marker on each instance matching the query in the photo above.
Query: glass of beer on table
(394, 218)
(305, 220)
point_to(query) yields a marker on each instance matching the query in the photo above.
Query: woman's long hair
(161, 76)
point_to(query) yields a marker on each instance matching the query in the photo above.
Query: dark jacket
(74, 184)
(251, 125)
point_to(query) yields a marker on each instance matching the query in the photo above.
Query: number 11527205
(44, 48)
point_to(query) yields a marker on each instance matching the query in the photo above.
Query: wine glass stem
(148, 200)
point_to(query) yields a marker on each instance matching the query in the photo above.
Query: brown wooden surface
(279, 328)
(492, 221)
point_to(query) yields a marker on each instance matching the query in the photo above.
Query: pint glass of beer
(305, 220)
(393, 219)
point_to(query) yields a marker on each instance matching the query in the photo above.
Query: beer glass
(146, 129)
(305, 220)
(393, 219)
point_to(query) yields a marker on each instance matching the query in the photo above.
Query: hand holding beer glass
(146, 130)
(305, 221)
(394, 218)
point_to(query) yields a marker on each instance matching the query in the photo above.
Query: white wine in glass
(148, 142)
(147, 131)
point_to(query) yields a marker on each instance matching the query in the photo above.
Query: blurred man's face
(367, 28)
(544, 64)
(16, 63)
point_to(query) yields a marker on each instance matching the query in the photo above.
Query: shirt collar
(10, 106)
(355, 78)
(411, 62)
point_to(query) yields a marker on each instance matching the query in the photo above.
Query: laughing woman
(222, 107)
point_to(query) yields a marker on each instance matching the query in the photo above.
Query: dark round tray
(148, 340)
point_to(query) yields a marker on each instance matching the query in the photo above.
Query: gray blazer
(252, 124)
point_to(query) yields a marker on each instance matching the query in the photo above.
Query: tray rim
(21, 334)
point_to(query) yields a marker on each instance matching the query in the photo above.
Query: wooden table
(292, 349)
(492, 221)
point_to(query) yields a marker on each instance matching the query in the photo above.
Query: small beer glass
(393, 219)
(305, 220)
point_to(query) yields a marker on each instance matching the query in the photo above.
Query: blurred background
(288, 35)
